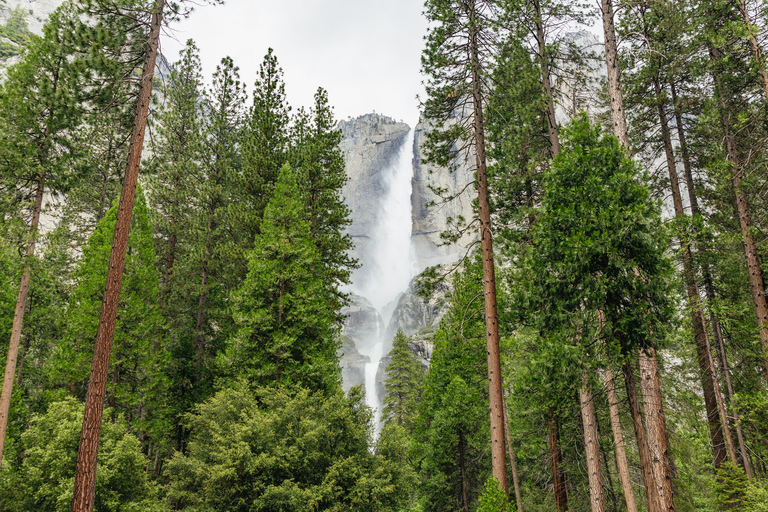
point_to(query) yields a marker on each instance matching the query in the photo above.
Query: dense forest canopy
(604, 345)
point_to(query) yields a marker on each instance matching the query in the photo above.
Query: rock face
(38, 10)
(360, 327)
(430, 221)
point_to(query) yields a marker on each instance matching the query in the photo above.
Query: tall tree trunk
(622, 464)
(592, 447)
(734, 411)
(512, 462)
(656, 502)
(85, 470)
(614, 75)
(541, 42)
(709, 287)
(18, 315)
(618, 439)
(754, 270)
(558, 477)
(716, 416)
(496, 398)
(651, 491)
(656, 428)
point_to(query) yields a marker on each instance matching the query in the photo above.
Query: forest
(174, 257)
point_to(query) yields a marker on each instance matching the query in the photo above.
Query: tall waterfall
(391, 263)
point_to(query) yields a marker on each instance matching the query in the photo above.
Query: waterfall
(391, 264)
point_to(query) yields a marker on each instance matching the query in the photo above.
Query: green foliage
(315, 155)
(493, 498)
(731, 487)
(275, 450)
(286, 333)
(45, 479)
(135, 363)
(452, 425)
(599, 246)
(403, 385)
(16, 31)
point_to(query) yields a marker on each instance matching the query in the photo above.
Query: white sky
(365, 53)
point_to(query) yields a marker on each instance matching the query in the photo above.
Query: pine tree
(40, 106)
(456, 60)
(403, 385)
(319, 163)
(452, 423)
(286, 332)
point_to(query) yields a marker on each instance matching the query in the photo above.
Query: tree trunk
(18, 316)
(592, 447)
(618, 438)
(614, 75)
(85, 470)
(496, 398)
(651, 491)
(734, 411)
(558, 477)
(742, 210)
(512, 462)
(718, 420)
(554, 138)
(656, 429)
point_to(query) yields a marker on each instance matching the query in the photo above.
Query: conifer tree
(403, 385)
(135, 382)
(459, 51)
(319, 163)
(286, 333)
(453, 420)
(40, 106)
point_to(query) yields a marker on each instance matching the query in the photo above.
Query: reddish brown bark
(496, 398)
(712, 398)
(618, 438)
(656, 429)
(85, 470)
(757, 287)
(512, 462)
(18, 316)
(651, 490)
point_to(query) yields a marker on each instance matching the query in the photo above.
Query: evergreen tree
(135, 385)
(459, 52)
(319, 163)
(39, 107)
(452, 422)
(274, 449)
(403, 385)
(286, 334)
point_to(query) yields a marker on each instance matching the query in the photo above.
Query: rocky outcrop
(361, 325)
(352, 364)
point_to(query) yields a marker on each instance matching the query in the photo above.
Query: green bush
(45, 479)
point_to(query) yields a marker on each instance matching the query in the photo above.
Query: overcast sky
(365, 53)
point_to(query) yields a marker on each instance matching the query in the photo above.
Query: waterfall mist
(391, 262)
